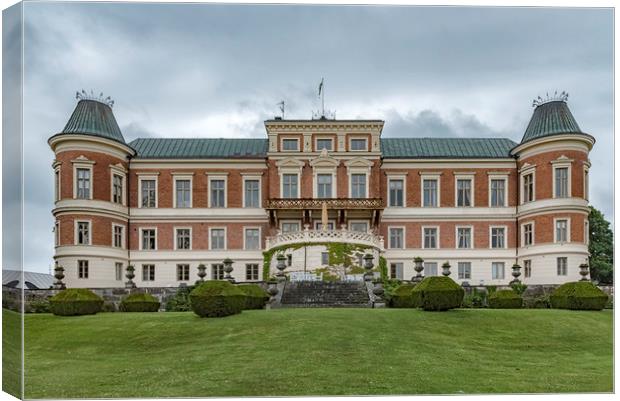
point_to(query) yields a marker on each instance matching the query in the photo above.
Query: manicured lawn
(318, 352)
(11, 352)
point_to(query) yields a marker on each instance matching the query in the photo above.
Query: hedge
(401, 296)
(437, 293)
(580, 295)
(217, 298)
(255, 296)
(75, 301)
(505, 299)
(141, 302)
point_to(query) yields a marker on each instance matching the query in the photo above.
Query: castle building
(167, 205)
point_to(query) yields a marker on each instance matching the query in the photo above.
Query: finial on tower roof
(83, 95)
(562, 97)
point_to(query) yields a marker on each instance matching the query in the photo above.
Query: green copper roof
(91, 117)
(446, 148)
(551, 118)
(199, 148)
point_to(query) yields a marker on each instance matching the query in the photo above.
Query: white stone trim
(562, 162)
(522, 229)
(316, 171)
(449, 213)
(432, 176)
(396, 177)
(323, 137)
(498, 176)
(89, 143)
(217, 177)
(471, 236)
(182, 177)
(389, 242)
(586, 181)
(83, 163)
(555, 230)
(75, 231)
(544, 206)
(211, 214)
(253, 177)
(120, 171)
(141, 239)
(123, 236)
(422, 245)
(283, 137)
(225, 238)
(260, 237)
(586, 231)
(464, 176)
(174, 238)
(491, 227)
(58, 185)
(148, 177)
(526, 170)
(350, 138)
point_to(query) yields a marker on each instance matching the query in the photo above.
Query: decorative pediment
(359, 162)
(81, 159)
(562, 159)
(118, 167)
(324, 160)
(290, 164)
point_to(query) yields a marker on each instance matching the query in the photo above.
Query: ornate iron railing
(318, 236)
(332, 203)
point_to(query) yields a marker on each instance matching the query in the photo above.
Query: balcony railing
(319, 236)
(332, 203)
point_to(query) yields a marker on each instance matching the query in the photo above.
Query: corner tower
(91, 209)
(552, 212)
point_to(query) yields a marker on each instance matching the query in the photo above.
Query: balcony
(331, 203)
(322, 236)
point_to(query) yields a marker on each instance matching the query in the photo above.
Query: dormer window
(290, 145)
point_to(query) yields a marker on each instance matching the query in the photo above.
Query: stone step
(310, 294)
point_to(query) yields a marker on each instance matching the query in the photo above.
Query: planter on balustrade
(130, 276)
(368, 265)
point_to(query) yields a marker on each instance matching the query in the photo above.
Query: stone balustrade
(322, 236)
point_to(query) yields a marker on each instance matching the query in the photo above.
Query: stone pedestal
(378, 292)
(368, 266)
(273, 292)
(584, 270)
(516, 272)
(281, 266)
(202, 273)
(130, 276)
(59, 274)
(228, 269)
(419, 268)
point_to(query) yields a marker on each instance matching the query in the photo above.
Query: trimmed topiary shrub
(437, 293)
(75, 301)
(579, 295)
(255, 296)
(141, 302)
(217, 298)
(179, 302)
(505, 299)
(401, 296)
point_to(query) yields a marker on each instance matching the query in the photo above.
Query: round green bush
(217, 298)
(437, 293)
(580, 295)
(75, 301)
(141, 302)
(505, 299)
(401, 296)
(255, 296)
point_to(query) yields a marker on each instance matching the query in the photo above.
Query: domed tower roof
(551, 117)
(93, 116)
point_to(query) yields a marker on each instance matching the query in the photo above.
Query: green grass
(11, 352)
(318, 352)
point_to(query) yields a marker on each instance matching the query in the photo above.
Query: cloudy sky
(200, 70)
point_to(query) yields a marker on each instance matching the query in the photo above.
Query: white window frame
(389, 242)
(586, 231)
(463, 176)
(437, 266)
(154, 272)
(565, 266)
(533, 233)
(503, 271)
(315, 181)
(431, 176)
(142, 238)
(470, 270)
(253, 177)
(491, 227)
(86, 165)
(260, 236)
(116, 275)
(57, 185)
(225, 238)
(316, 143)
(437, 239)
(351, 222)
(298, 222)
(217, 177)
(119, 170)
(189, 271)
(527, 170)
(399, 177)
(351, 138)
(296, 173)
(525, 269)
(555, 230)
(497, 177)
(114, 225)
(402, 269)
(191, 237)
(57, 233)
(366, 180)
(87, 269)
(568, 178)
(257, 278)
(316, 222)
(148, 177)
(586, 181)
(282, 138)
(182, 177)
(90, 231)
(471, 236)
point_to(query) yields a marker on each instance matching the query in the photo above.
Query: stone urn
(516, 272)
(368, 265)
(584, 269)
(202, 273)
(130, 276)
(418, 266)
(281, 266)
(228, 268)
(272, 290)
(445, 269)
(378, 290)
(59, 274)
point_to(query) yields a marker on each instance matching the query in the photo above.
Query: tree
(601, 248)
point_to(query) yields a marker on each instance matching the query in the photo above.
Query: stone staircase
(325, 294)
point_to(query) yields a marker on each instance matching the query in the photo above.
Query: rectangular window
(148, 193)
(463, 192)
(430, 269)
(252, 193)
(57, 185)
(252, 238)
(562, 264)
(290, 144)
(217, 193)
(83, 269)
(527, 268)
(497, 270)
(289, 186)
(83, 183)
(463, 237)
(498, 193)
(83, 233)
(528, 188)
(396, 193)
(358, 144)
(430, 237)
(396, 271)
(528, 234)
(324, 143)
(396, 238)
(217, 271)
(325, 258)
(561, 230)
(498, 237)
(430, 193)
(184, 238)
(586, 232)
(183, 272)
(290, 227)
(118, 236)
(358, 185)
(561, 182)
(251, 272)
(586, 184)
(57, 233)
(324, 186)
(359, 226)
(183, 193)
(117, 189)
(464, 270)
(318, 225)
(218, 238)
(148, 239)
(118, 268)
(148, 272)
